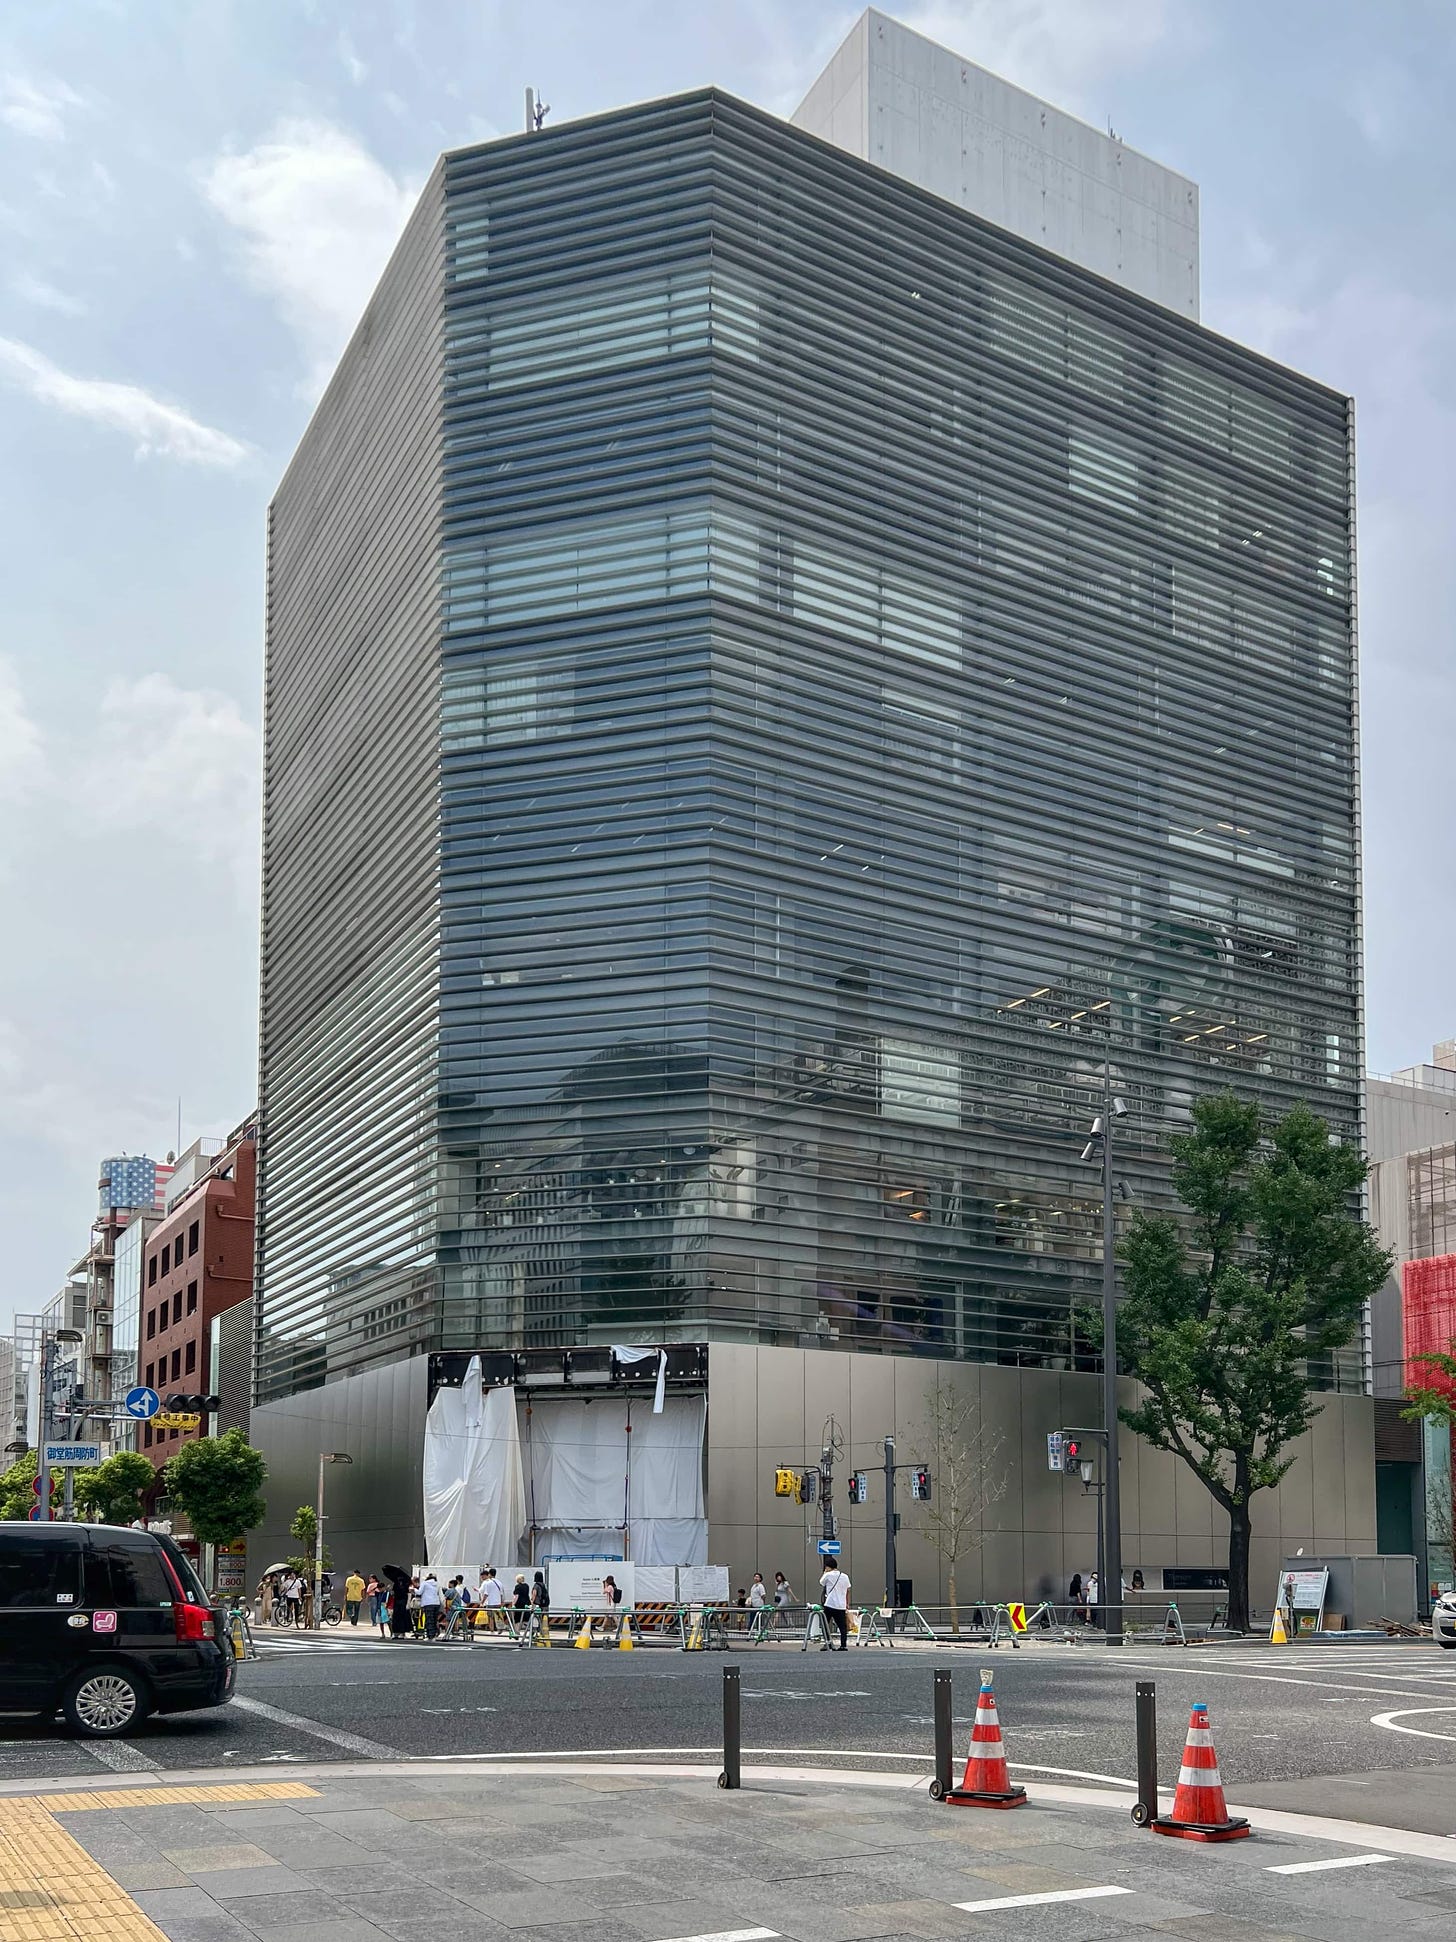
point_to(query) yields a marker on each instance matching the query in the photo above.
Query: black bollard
(732, 1774)
(944, 1753)
(1146, 1695)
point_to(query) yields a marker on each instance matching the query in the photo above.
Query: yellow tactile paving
(164, 1796)
(50, 1888)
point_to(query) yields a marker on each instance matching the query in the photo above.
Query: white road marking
(351, 1742)
(731, 1935)
(1202, 1670)
(1036, 1901)
(120, 1757)
(1318, 1867)
(1387, 1720)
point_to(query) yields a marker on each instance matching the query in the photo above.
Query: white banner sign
(656, 1584)
(577, 1584)
(702, 1584)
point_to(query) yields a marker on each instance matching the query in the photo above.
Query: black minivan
(107, 1624)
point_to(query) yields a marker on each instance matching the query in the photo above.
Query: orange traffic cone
(1199, 1811)
(986, 1782)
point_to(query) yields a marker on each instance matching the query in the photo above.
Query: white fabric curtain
(587, 1477)
(474, 1484)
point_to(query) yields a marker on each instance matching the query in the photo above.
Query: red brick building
(199, 1262)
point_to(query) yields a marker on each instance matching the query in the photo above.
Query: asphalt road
(1294, 1728)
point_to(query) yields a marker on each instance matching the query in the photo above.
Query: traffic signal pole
(889, 1523)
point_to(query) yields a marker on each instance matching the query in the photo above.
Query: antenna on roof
(536, 112)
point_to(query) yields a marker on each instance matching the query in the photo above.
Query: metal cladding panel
(882, 669)
(884, 666)
(345, 1244)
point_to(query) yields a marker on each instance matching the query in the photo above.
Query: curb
(1404, 1841)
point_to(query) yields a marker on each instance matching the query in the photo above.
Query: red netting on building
(1428, 1314)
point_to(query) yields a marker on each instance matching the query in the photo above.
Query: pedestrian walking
(492, 1597)
(415, 1609)
(399, 1618)
(541, 1604)
(1092, 1594)
(353, 1597)
(783, 1597)
(757, 1593)
(834, 1595)
(293, 1589)
(430, 1602)
(266, 1594)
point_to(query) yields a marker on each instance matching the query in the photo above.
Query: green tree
(216, 1482)
(17, 1499)
(305, 1528)
(1224, 1310)
(112, 1491)
(1431, 1404)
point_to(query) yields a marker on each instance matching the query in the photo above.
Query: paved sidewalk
(611, 1856)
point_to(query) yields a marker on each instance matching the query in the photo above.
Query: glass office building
(774, 683)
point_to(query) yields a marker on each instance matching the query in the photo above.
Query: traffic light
(808, 1479)
(786, 1484)
(858, 1488)
(1072, 1456)
(187, 1405)
(920, 1484)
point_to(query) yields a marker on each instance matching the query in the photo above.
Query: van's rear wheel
(104, 1702)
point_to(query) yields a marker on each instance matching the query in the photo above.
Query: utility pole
(890, 1521)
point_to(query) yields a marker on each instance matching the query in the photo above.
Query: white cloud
(1058, 49)
(151, 423)
(349, 55)
(31, 288)
(318, 217)
(181, 763)
(22, 757)
(37, 106)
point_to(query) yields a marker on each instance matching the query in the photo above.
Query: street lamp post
(325, 1456)
(1113, 1108)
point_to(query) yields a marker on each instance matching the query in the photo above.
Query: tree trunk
(955, 1617)
(1238, 1599)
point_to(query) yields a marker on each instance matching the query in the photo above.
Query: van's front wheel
(104, 1702)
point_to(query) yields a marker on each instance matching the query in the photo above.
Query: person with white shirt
(492, 1597)
(834, 1596)
(430, 1602)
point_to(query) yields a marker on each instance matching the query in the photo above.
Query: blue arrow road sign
(829, 1547)
(142, 1403)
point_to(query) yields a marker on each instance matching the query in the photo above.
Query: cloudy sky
(196, 197)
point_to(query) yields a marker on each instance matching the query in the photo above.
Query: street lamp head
(1086, 1469)
(336, 1456)
(67, 1335)
(1089, 1149)
(17, 1449)
(1119, 1107)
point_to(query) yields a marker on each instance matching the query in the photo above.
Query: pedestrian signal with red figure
(1199, 1810)
(986, 1782)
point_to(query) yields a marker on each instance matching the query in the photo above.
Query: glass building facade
(774, 683)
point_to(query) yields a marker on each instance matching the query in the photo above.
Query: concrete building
(198, 1265)
(934, 118)
(774, 681)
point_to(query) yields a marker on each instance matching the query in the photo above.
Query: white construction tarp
(595, 1488)
(474, 1483)
(596, 1477)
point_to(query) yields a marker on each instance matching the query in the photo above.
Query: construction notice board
(702, 1584)
(577, 1583)
(1304, 1593)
